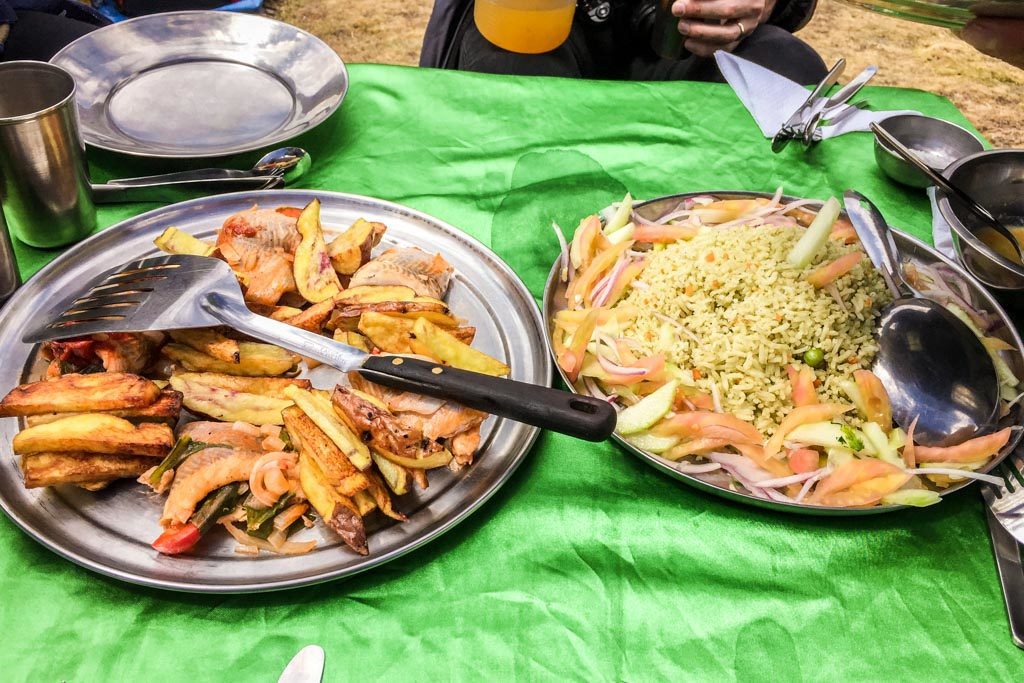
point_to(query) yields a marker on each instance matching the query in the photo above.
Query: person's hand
(999, 37)
(709, 25)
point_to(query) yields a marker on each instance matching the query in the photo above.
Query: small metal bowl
(995, 179)
(936, 142)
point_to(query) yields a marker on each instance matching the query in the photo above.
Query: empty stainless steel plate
(201, 84)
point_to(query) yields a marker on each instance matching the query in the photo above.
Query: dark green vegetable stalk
(259, 522)
(217, 504)
(183, 448)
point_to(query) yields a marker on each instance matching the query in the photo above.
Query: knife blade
(307, 666)
(1011, 575)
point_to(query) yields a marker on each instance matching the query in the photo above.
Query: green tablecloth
(588, 564)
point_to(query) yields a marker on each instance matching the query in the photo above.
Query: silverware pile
(820, 108)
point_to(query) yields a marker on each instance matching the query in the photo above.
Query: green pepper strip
(258, 522)
(183, 448)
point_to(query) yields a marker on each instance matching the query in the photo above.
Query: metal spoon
(276, 169)
(288, 162)
(932, 365)
(937, 178)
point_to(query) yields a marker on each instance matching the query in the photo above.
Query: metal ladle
(276, 169)
(951, 189)
(932, 365)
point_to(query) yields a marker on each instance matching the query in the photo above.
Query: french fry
(337, 469)
(382, 498)
(314, 317)
(315, 278)
(396, 476)
(95, 433)
(209, 341)
(353, 339)
(264, 386)
(255, 360)
(74, 393)
(420, 477)
(368, 294)
(364, 503)
(52, 469)
(227, 404)
(387, 333)
(318, 408)
(430, 340)
(352, 248)
(338, 512)
(281, 313)
(166, 410)
(429, 462)
(174, 241)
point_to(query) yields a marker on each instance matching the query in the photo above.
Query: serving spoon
(933, 367)
(276, 169)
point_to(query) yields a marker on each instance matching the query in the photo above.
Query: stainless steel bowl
(936, 142)
(996, 181)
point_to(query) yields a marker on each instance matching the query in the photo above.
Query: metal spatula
(180, 292)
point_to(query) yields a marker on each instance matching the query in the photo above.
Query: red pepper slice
(177, 539)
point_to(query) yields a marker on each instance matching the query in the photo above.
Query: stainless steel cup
(10, 278)
(44, 180)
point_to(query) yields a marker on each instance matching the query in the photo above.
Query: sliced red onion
(678, 325)
(694, 467)
(702, 200)
(742, 464)
(798, 204)
(805, 489)
(834, 292)
(593, 389)
(792, 479)
(777, 496)
(777, 196)
(563, 273)
(607, 285)
(953, 472)
(616, 369)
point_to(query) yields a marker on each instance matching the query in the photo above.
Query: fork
(1007, 500)
(182, 292)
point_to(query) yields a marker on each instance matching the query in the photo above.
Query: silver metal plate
(911, 248)
(110, 531)
(201, 84)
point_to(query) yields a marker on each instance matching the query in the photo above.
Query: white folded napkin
(942, 234)
(771, 99)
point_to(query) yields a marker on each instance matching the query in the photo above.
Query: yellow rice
(753, 314)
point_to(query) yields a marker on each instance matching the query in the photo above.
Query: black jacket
(791, 15)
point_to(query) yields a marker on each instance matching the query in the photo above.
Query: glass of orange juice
(526, 26)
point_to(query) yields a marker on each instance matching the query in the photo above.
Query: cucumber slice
(816, 235)
(626, 233)
(650, 409)
(621, 216)
(916, 497)
(653, 443)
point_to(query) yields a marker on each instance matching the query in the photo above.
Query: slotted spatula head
(160, 293)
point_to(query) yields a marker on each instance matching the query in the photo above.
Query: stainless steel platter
(110, 531)
(913, 249)
(201, 84)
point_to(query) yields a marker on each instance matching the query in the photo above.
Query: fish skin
(259, 244)
(201, 473)
(425, 274)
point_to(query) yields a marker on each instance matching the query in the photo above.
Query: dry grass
(910, 55)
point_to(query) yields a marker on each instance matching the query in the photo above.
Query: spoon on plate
(276, 169)
(961, 196)
(932, 365)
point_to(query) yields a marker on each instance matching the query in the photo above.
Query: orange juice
(526, 26)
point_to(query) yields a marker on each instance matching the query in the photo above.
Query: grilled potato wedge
(174, 241)
(166, 410)
(337, 469)
(315, 278)
(317, 407)
(313, 318)
(352, 248)
(382, 498)
(392, 334)
(51, 469)
(338, 512)
(368, 294)
(364, 503)
(95, 433)
(209, 341)
(396, 476)
(204, 397)
(430, 340)
(74, 393)
(264, 386)
(255, 360)
(353, 339)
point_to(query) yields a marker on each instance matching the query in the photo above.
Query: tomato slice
(177, 539)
